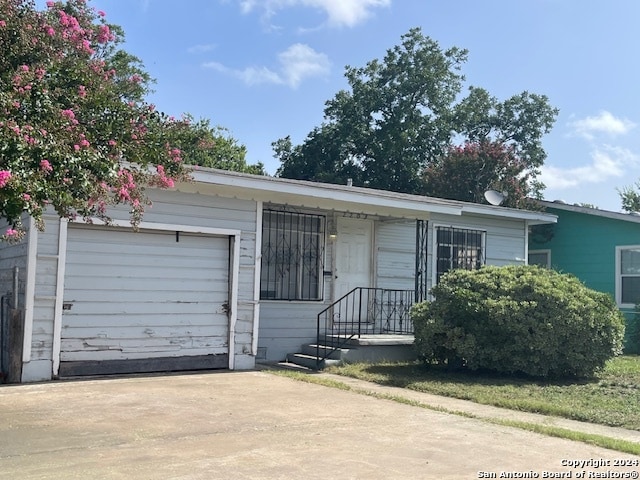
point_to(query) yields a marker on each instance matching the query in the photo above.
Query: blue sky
(265, 68)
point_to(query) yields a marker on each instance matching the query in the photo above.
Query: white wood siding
(144, 294)
(395, 254)
(169, 207)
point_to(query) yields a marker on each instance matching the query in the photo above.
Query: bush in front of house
(518, 319)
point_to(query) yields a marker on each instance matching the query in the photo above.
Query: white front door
(353, 255)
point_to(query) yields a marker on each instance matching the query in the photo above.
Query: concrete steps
(366, 348)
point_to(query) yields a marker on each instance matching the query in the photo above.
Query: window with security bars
(628, 288)
(292, 251)
(458, 248)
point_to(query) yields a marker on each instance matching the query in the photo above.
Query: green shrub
(518, 319)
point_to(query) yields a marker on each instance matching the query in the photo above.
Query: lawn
(611, 398)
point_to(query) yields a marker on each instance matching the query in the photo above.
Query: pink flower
(112, 143)
(3, 23)
(82, 91)
(84, 142)
(26, 197)
(49, 30)
(101, 13)
(50, 4)
(11, 232)
(45, 166)
(25, 68)
(5, 175)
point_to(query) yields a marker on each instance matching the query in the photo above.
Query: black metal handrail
(364, 310)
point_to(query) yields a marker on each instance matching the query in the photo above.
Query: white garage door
(144, 301)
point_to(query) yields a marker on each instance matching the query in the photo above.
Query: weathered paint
(199, 211)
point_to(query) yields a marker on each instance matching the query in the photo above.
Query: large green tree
(403, 113)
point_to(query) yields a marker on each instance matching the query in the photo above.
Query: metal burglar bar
(421, 260)
(292, 251)
(363, 311)
(458, 248)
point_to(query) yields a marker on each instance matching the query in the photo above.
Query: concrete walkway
(257, 425)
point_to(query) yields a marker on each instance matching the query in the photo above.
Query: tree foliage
(630, 198)
(76, 133)
(402, 114)
(214, 147)
(518, 319)
(467, 172)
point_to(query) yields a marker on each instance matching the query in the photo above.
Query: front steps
(366, 348)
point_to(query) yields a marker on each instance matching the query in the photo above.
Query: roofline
(625, 217)
(361, 195)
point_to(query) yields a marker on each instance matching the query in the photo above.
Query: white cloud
(607, 161)
(201, 48)
(298, 62)
(340, 13)
(604, 122)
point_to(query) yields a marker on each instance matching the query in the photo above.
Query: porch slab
(382, 340)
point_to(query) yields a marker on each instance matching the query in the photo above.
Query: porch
(365, 325)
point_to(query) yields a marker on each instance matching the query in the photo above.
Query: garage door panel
(131, 296)
(143, 320)
(150, 309)
(87, 355)
(151, 331)
(149, 294)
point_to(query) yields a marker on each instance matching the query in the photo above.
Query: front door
(353, 255)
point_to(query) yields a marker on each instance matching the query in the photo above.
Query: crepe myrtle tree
(76, 134)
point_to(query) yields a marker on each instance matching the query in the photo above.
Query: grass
(611, 398)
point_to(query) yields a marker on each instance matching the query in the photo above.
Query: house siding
(584, 245)
(169, 207)
(286, 326)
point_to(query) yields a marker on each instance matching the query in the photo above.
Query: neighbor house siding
(169, 207)
(584, 245)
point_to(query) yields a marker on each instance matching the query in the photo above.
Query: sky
(264, 69)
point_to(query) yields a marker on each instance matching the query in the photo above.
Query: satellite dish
(494, 197)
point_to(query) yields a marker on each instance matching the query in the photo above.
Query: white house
(232, 269)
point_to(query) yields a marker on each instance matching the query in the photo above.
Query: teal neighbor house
(601, 248)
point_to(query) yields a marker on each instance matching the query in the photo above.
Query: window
(542, 258)
(458, 248)
(628, 273)
(292, 251)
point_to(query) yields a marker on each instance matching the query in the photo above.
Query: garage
(145, 301)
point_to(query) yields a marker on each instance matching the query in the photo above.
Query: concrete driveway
(256, 425)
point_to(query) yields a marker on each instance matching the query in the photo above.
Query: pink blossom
(11, 233)
(112, 143)
(26, 197)
(45, 166)
(104, 34)
(101, 13)
(50, 4)
(5, 175)
(24, 68)
(82, 91)
(49, 30)
(84, 142)
(3, 23)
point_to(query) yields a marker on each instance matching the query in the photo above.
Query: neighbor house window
(542, 258)
(458, 248)
(292, 251)
(628, 273)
